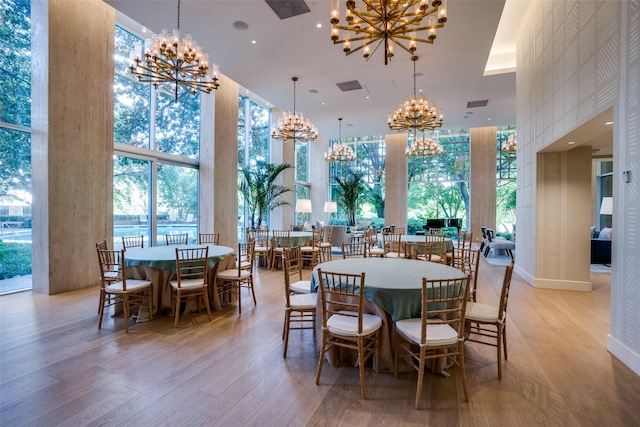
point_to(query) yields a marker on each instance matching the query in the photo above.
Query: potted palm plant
(350, 187)
(260, 190)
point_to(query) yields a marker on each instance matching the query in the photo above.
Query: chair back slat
(112, 267)
(191, 263)
(133, 241)
(341, 293)
(444, 302)
(357, 248)
(504, 295)
(177, 239)
(391, 242)
(208, 238)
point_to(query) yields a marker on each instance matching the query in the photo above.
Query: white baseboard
(564, 285)
(624, 353)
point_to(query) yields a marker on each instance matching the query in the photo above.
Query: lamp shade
(303, 205)
(606, 206)
(330, 207)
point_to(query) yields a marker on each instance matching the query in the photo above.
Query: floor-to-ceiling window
(156, 155)
(505, 183)
(439, 185)
(302, 184)
(253, 147)
(15, 145)
(370, 161)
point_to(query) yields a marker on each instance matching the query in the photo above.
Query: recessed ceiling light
(608, 123)
(489, 118)
(323, 103)
(571, 142)
(144, 29)
(419, 90)
(367, 97)
(313, 90)
(253, 41)
(319, 25)
(240, 25)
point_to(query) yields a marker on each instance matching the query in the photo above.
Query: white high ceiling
(453, 66)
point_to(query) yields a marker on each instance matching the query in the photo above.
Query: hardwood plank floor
(57, 368)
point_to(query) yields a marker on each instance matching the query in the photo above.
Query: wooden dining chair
(487, 324)
(133, 242)
(262, 249)
(311, 253)
(204, 238)
(281, 239)
(392, 245)
(102, 246)
(439, 332)
(438, 253)
(465, 240)
(300, 308)
(231, 281)
(296, 284)
(191, 280)
(116, 289)
(373, 248)
(326, 246)
(355, 249)
(468, 261)
(177, 239)
(344, 323)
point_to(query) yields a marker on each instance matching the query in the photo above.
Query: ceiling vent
(347, 86)
(287, 9)
(474, 104)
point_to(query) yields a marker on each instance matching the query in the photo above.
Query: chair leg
(321, 359)
(150, 303)
(464, 371)
(361, 366)
(236, 286)
(423, 351)
(125, 304)
(287, 319)
(396, 356)
(504, 340)
(206, 302)
(253, 292)
(176, 312)
(103, 297)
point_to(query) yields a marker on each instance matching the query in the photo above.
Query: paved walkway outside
(18, 283)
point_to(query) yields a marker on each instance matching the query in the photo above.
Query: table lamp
(330, 207)
(606, 206)
(303, 206)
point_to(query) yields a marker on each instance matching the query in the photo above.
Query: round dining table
(393, 291)
(158, 265)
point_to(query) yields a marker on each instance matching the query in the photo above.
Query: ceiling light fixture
(423, 147)
(416, 113)
(168, 59)
(386, 22)
(293, 126)
(340, 152)
(511, 145)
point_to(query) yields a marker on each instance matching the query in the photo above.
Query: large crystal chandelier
(168, 59)
(385, 23)
(511, 145)
(423, 147)
(340, 152)
(416, 113)
(294, 126)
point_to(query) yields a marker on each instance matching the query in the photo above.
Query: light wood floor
(57, 368)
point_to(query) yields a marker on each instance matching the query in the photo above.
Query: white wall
(575, 59)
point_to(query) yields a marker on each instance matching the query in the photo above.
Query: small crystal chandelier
(340, 152)
(416, 113)
(293, 126)
(167, 59)
(386, 22)
(423, 147)
(511, 146)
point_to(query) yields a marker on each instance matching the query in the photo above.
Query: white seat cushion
(301, 287)
(347, 325)
(436, 334)
(309, 249)
(436, 258)
(303, 301)
(325, 245)
(132, 285)
(260, 249)
(188, 284)
(232, 274)
(376, 251)
(481, 312)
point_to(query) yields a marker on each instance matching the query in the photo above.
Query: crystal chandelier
(385, 23)
(416, 113)
(511, 146)
(340, 152)
(293, 126)
(167, 59)
(423, 147)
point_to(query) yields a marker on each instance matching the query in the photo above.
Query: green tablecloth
(300, 237)
(394, 285)
(164, 257)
